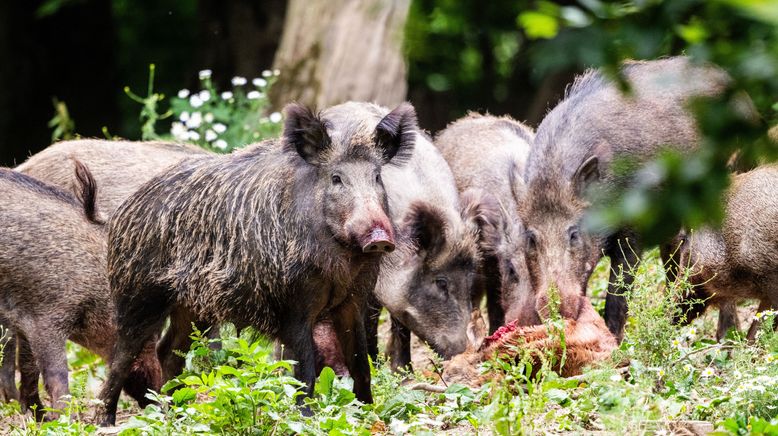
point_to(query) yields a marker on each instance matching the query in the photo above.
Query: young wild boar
(54, 285)
(274, 237)
(426, 285)
(487, 155)
(119, 168)
(739, 260)
(575, 147)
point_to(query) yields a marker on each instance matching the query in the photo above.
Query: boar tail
(87, 192)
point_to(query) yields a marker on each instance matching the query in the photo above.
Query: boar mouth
(378, 241)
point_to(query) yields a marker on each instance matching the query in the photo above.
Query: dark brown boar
(426, 285)
(575, 147)
(274, 237)
(487, 155)
(54, 284)
(738, 260)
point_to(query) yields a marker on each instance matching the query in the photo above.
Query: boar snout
(378, 240)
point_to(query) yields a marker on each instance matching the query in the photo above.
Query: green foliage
(222, 121)
(148, 113)
(63, 127)
(740, 36)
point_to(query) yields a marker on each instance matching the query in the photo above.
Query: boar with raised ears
(575, 147)
(487, 155)
(54, 287)
(737, 261)
(119, 167)
(425, 285)
(274, 237)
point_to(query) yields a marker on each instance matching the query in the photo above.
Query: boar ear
(586, 174)
(306, 132)
(484, 212)
(395, 134)
(426, 226)
(516, 180)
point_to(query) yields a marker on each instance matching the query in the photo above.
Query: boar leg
(8, 389)
(28, 367)
(139, 320)
(297, 337)
(372, 316)
(349, 327)
(623, 250)
(763, 305)
(398, 349)
(176, 338)
(144, 374)
(727, 318)
(492, 283)
(49, 353)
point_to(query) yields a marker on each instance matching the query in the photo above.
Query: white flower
(238, 81)
(688, 368)
(259, 82)
(220, 143)
(219, 128)
(208, 117)
(692, 331)
(276, 72)
(253, 95)
(184, 116)
(275, 117)
(267, 73)
(615, 378)
(708, 372)
(184, 93)
(192, 135)
(226, 95)
(178, 130)
(210, 135)
(195, 101)
(194, 120)
(205, 95)
(205, 74)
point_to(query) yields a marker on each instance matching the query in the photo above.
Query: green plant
(222, 121)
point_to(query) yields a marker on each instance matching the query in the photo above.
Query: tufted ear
(426, 226)
(395, 134)
(483, 210)
(586, 174)
(306, 132)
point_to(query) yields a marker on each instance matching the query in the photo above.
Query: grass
(676, 374)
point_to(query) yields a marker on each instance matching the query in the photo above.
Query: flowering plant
(222, 121)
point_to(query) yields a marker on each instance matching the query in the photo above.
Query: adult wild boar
(576, 145)
(54, 285)
(426, 285)
(487, 155)
(274, 237)
(738, 260)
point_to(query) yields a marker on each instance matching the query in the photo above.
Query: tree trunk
(338, 50)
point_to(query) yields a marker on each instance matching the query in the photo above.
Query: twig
(429, 387)
(621, 371)
(723, 346)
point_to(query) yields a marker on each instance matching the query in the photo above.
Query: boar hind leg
(29, 396)
(139, 320)
(756, 324)
(8, 389)
(727, 318)
(49, 353)
(399, 347)
(176, 338)
(350, 329)
(622, 249)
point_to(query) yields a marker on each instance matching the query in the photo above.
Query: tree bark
(338, 50)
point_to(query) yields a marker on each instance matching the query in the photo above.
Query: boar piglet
(272, 237)
(487, 155)
(738, 260)
(574, 149)
(54, 285)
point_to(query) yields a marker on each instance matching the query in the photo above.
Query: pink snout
(378, 240)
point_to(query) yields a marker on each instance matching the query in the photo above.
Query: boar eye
(378, 178)
(574, 235)
(336, 179)
(531, 240)
(442, 283)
